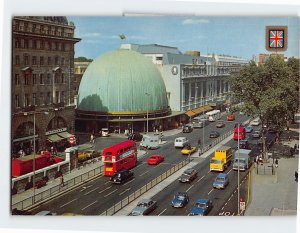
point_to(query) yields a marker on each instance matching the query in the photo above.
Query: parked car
(45, 213)
(214, 134)
(188, 149)
(221, 181)
(144, 207)
(249, 129)
(255, 122)
(220, 124)
(122, 176)
(256, 134)
(201, 207)
(187, 128)
(180, 199)
(188, 175)
(71, 214)
(155, 159)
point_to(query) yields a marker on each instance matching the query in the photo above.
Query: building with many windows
(151, 86)
(42, 74)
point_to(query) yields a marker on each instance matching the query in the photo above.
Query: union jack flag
(276, 39)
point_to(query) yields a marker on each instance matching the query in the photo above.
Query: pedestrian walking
(296, 176)
(289, 138)
(199, 143)
(291, 151)
(295, 148)
(62, 181)
(276, 162)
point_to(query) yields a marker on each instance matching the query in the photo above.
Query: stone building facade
(42, 86)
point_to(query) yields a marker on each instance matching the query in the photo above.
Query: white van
(104, 132)
(180, 142)
(150, 142)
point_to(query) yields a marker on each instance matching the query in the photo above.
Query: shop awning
(196, 111)
(190, 113)
(65, 134)
(54, 138)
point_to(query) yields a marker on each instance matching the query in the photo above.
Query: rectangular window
(48, 97)
(41, 61)
(17, 60)
(62, 61)
(27, 79)
(42, 100)
(56, 60)
(26, 100)
(41, 79)
(49, 60)
(33, 60)
(48, 79)
(26, 60)
(62, 78)
(17, 101)
(56, 79)
(34, 79)
(42, 44)
(17, 79)
(34, 99)
(34, 44)
(63, 97)
(57, 96)
(26, 44)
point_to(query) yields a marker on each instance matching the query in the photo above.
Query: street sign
(242, 205)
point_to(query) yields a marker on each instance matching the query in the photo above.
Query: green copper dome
(117, 82)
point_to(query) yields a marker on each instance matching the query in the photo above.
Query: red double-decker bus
(119, 156)
(239, 132)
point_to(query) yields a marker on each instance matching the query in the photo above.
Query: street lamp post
(33, 182)
(147, 94)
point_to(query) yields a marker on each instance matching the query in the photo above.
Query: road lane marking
(124, 191)
(162, 212)
(200, 179)
(210, 191)
(105, 189)
(226, 203)
(144, 173)
(110, 193)
(208, 172)
(89, 205)
(229, 171)
(139, 165)
(107, 182)
(129, 182)
(85, 187)
(91, 191)
(189, 188)
(68, 203)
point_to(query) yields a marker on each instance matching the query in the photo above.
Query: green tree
(82, 59)
(267, 92)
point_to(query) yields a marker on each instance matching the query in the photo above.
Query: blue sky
(236, 36)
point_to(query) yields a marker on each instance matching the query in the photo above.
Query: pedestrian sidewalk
(68, 176)
(275, 195)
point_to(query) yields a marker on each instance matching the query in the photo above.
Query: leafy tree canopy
(82, 59)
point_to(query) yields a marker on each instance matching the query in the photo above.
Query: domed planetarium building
(122, 90)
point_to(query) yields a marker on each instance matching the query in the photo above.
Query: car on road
(144, 207)
(122, 176)
(188, 175)
(155, 159)
(71, 214)
(201, 207)
(187, 128)
(221, 181)
(244, 144)
(249, 129)
(220, 124)
(45, 213)
(231, 117)
(180, 199)
(188, 149)
(256, 134)
(214, 134)
(255, 122)
(180, 142)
